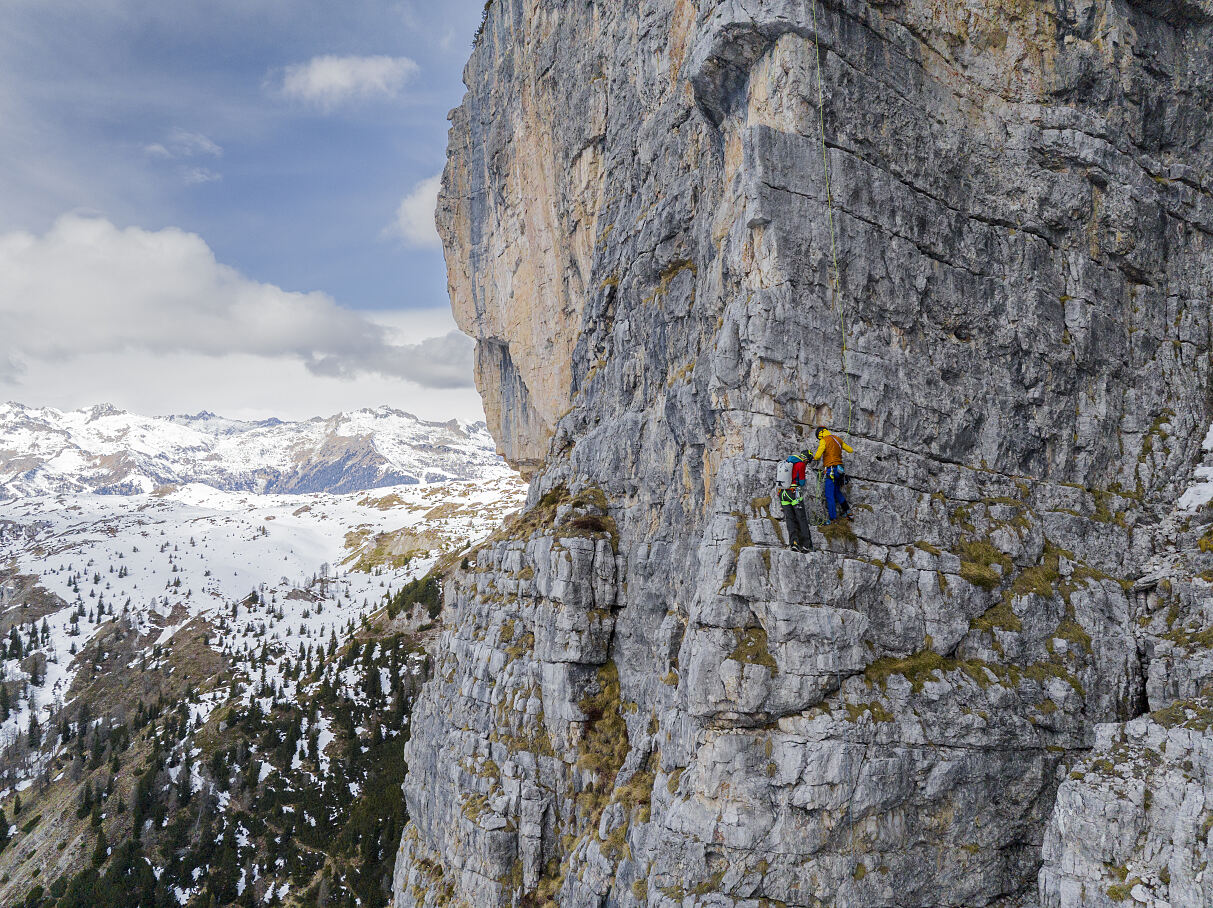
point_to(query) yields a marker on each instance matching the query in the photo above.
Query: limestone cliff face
(643, 697)
(521, 198)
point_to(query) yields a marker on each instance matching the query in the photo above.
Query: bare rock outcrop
(1133, 820)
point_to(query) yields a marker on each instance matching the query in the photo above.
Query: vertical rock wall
(643, 697)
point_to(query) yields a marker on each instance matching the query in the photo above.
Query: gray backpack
(783, 474)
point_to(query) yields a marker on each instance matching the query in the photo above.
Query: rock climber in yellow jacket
(829, 452)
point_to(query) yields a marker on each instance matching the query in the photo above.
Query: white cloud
(194, 144)
(240, 385)
(328, 81)
(196, 175)
(414, 221)
(87, 288)
(182, 143)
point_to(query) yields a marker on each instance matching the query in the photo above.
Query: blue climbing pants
(832, 492)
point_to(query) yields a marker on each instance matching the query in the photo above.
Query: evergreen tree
(184, 788)
(101, 852)
(374, 685)
(221, 883)
(86, 800)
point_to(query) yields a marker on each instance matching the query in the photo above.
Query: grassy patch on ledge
(838, 531)
(917, 668)
(1205, 544)
(605, 744)
(1040, 579)
(1001, 616)
(1194, 714)
(876, 710)
(543, 517)
(741, 539)
(978, 558)
(751, 649)
(927, 665)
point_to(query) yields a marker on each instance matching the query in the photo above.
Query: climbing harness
(825, 169)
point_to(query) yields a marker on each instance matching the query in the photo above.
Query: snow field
(1200, 492)
(270, 574)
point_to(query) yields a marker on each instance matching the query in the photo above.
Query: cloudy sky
(228, 205)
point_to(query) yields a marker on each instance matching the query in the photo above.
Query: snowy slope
(1201, 491)
(106, 450)
(202, 583)
(317, 563)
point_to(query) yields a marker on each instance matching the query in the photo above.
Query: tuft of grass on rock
(751, 649)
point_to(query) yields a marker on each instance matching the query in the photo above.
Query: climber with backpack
(791, 500)
(829, 452)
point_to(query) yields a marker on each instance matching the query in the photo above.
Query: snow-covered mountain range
(163, 522)
(320, 561)
(108, 451)
(213, 586)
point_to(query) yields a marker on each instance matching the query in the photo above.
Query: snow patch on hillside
(1201, 491)
(264, 571)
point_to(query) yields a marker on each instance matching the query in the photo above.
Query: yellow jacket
(831, 447)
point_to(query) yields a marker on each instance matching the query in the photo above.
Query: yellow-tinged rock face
(518, 221)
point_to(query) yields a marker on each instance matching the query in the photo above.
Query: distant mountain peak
(92, 449)
(100, 411)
